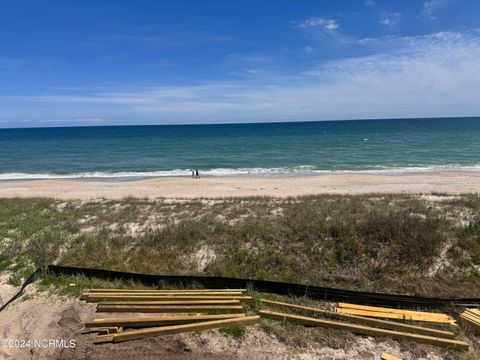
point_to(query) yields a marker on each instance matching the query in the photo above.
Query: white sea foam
(266, 172)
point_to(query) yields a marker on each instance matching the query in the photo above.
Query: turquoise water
(270, 149)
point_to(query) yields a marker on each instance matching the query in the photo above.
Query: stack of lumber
(397, 314)
(364, 325)
(227, 304)
(472, 318)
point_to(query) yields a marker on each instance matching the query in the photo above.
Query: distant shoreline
(242, 186)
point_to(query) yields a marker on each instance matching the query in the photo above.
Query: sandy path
(40, 318)
(6, 290)
(447, 182)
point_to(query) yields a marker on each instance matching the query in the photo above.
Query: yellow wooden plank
(86, 295)
(469, 321)
(394, 311)
(472, 314)
(386, 356)
(176, 329)
(157, 320)
(364, 330)
(369, 321)
(394, 316)
(103, 339)
(95, 298)
(470, 317)
(168, 308)
(164, 291)
(183, 302)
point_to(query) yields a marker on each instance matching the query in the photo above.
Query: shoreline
(233, 173)
(244, 186)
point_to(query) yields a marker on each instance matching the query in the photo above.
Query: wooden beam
(386, 356)
(394, 316)
(176, 329)
(364, 330)
(103, 339)
(96, 298)
(168, 308)
(164, 291)
(368, 321)
(157, 320)
(182, 302)
(470, 320)
(86, 295)
(473, 315)
(395, 311)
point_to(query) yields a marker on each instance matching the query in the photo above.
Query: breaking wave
(266, 172)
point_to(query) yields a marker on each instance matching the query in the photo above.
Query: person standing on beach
(197, 175)
(193, 174)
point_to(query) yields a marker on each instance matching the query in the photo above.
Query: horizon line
(243, 123)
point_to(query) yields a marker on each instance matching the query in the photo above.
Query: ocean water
(271, 149)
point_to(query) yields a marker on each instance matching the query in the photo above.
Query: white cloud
(386, 21)
(390, 19)
(308, 50)
(329, 24)
(430, 7)
(422, 76)
(322, 29)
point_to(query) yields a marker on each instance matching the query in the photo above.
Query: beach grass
(411, 244)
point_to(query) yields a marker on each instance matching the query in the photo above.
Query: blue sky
(70, 63)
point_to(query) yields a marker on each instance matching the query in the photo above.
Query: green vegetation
(74, 285)
(235, 332)
(395, 243)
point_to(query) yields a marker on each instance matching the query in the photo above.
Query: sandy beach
(176, 187)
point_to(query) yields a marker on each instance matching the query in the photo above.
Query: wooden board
(473, 314)
(471, 318)
(471, 323)
(369, 321)
(383, 315)
(164, 291)
(182, 302)
(157, 320)
(176, 329)
(364, 330)
(386, 356)
(396, 311)
(86, 295)
(168, 308)
(95, 298)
